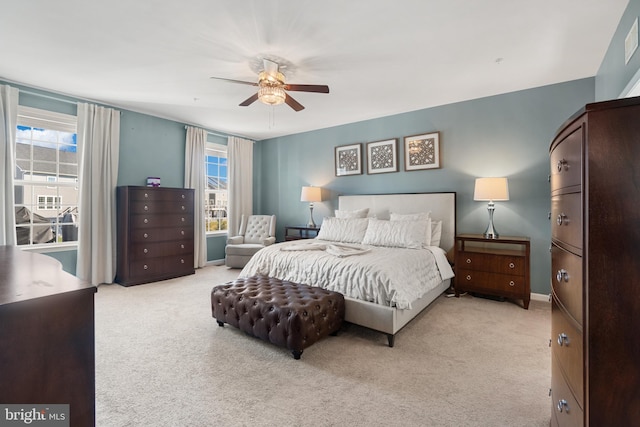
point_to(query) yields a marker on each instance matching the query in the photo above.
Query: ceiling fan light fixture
(271, 95)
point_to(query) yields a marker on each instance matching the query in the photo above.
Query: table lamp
(311, 194)
(491, 189)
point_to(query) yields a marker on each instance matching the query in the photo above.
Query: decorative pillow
(358, 213)
(397, 234)
(436, 232)
(421, 216)
(346, 230)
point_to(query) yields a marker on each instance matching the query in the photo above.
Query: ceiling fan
(271, 87)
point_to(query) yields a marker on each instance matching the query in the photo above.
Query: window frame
(211, 147)
(56, 187)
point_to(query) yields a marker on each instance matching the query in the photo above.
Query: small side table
(297, 232)
(498, 267)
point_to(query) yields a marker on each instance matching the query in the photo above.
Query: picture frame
(382, 156)
(422, 151)
(348, 160)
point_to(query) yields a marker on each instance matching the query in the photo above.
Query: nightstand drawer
(504, 264)
(485, 281)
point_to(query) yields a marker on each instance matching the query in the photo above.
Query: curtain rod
(220, 134)
(47, 96)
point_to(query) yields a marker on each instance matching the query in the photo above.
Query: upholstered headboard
(441, 205)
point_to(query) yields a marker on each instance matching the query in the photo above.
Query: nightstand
(298, 232)
(497, 267)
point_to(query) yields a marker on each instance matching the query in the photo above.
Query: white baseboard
(215, 262)
(540, 297)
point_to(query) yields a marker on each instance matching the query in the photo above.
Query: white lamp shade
(311, 194)
(492, 189)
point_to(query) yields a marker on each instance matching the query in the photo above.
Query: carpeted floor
(161, 360)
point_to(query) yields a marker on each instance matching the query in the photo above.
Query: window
(215, 198)
(46, 177)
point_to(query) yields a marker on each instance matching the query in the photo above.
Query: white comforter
(388, 276)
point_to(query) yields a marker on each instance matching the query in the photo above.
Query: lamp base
(490, 232)
(311, 223)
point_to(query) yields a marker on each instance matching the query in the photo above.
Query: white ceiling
(378, 57)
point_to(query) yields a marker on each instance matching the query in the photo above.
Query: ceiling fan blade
(308, 88)
(270, 67)
(253, 98)
(293, 103)
(235, 81)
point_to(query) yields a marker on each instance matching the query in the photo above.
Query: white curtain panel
(98, 148)
(194, 173)
(8, 122)
(240, 155)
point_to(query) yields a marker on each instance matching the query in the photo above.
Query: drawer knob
(182, 219)
(563, 405)
(146, 221)
(145, 250)
(183, 196)
(512, 265)
(512, 283)
(563, 339)
(562, 219)
(146, 195)
(145, 235)
(468, 260)
(181, 246)
(146, 208)
(146, 267)
(468, 277)
(561, 275)
(181, 261)
(183, 208)
(562, 164)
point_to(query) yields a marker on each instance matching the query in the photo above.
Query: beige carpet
(161, 360)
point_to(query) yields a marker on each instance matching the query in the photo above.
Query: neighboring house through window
(216, 200)
(46, 177)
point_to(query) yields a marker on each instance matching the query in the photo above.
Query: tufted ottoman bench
(284, 313)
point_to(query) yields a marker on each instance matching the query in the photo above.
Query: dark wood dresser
(47, 336)
(595, 231)
(155, 234)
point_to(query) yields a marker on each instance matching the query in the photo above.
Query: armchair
(256, 232)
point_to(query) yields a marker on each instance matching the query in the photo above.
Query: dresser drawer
(160, 266)
(161, 194)
(169, 220)
(566, 346)
(505, 264)
(160, 207)
(566, 162)
(141, 251)
(566, 220)
(565, 410)
(161, 234)
(480, 281)
(566, 280)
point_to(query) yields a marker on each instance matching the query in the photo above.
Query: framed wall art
(382, 156)
(422, 151)
(348, 160)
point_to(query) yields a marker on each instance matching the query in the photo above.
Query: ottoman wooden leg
(221, 324)
(297, 354)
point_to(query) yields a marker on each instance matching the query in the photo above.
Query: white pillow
(422, 216)
(358, 213)
(397, 234)
(346, 230)
(436, 232)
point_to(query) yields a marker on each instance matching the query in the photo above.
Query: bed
(385, 287)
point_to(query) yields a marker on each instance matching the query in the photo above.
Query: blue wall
(614, 76)
(505, 135)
